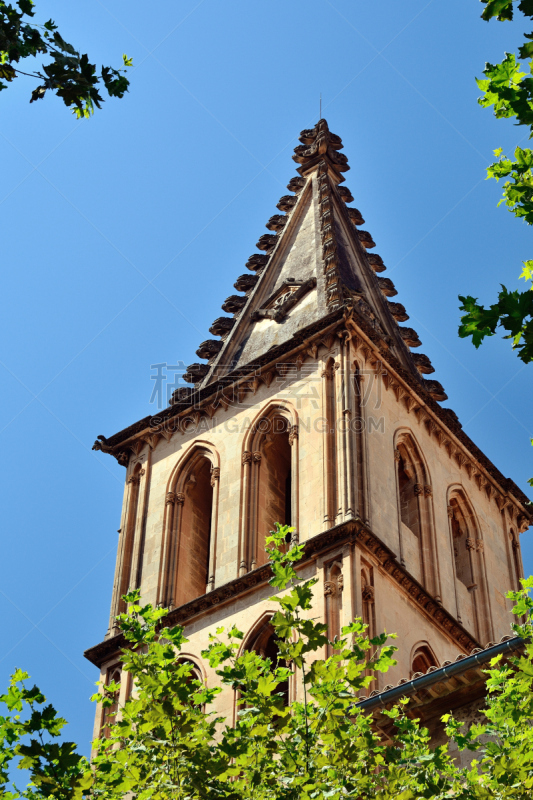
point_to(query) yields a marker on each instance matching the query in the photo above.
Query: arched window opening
(333, 588)
(195, 673)
(269, 491)
(134, 482)
(188, 552)
(418, 548)
(409, 508)
(109, 713)
(195, 533)
(264, 642)
(462, 543)
(275, 483)
(422, 660)
(471, 584)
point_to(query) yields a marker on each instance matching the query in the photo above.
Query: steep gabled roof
(314, 271)
(314, 261)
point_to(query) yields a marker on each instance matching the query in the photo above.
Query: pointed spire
(288, 270)
(319, 144)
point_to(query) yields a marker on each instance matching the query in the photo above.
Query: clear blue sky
(122, 235)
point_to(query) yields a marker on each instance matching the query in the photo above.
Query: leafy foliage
(166, 742)
(56, 769)
(508, 88)
(70, 75)
(513, 312)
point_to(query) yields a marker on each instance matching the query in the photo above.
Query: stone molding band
(350, 531)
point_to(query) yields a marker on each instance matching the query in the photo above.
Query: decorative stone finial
(296, 184)
(256, 262)
(366, 239)
(423, 364)
(234, 304)
(210, 348)
(376, 262)
(435, 390)
(195, 373)
(398, 311)
(277, 222)
(287, 202)
(267, 242)
(410, 336)
(319, 144)
(345, 194)
(387, 287)
(180, 395)
(355, 216)
(222, 326)
(245, 283)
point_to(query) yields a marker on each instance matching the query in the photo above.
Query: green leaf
(26, 6)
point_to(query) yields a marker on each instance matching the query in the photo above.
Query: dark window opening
(423, 659)
(109, 713)
(266, 645)
(195, 534)
(408, 499)
(461, 541)
(274, 491)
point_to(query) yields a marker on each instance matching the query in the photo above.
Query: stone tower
(311, 408)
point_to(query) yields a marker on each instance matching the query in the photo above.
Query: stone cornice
(351, 531)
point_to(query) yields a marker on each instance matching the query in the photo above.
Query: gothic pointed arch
(188, 553)
(418, 550)
(269, 486)
(109, 713)
(422, 659)
(197, 672)
(262, 640)
(471, 584)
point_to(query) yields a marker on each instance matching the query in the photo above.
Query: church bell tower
(310, 406)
